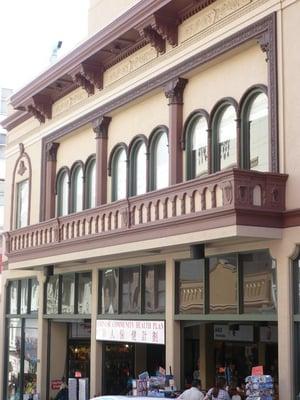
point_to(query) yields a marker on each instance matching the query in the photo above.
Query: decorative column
(174, 92)
(172, 338)
(100, 127)
(51, 153)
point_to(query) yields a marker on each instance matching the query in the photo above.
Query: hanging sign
(234, 333)
(259, 370)
(152, 332)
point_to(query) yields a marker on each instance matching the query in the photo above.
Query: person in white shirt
(194, 393)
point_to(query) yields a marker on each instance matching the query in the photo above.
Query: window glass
(297, 357)
(259, 133)
(223, 298)
(24, 297)
(198, 145)
(191, 286)
(109, 301)
(259, 282)
(14, 359)
(161, 162)
(13, 297)
(140, 170)
(34, 303)
(155, 288)
(63, 195)
(120, 173)
(227, 138)
(130, 290)
(1, 204)
(296, 267)
(91, 182)
(30, 358)
(52, 295)
(2, 160)
(68, 294)
(78, 190)
(22, 204)
(85, 293)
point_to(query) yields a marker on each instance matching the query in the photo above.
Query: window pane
(259, 134)
(85, 293)
(91, 181)
(259, 282)
(191, 286)
(155, 288)
(63, 195)
(24, 296)
(78, 190)
(120, 175)
(14, 359)
(140, 170)
(223, 282)
(161, 162)
(52, 295)
(297, 357)
(227, 138)
(1, 203)
(34, 295)
(13, 297)
(109, 291)
(199, 147)
(30, 358)
(68, 294)
(130, 289)
(22, 204)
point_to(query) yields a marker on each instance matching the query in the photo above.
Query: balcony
(227, 198)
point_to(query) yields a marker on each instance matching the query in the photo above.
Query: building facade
(152, 212)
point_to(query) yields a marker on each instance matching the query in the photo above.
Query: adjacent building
(152, 206)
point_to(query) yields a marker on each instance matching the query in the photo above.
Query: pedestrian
(63, 393)
(234, 393)
(194, 393)
(218, 392)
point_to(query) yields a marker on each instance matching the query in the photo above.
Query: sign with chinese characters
(152, 332)
(234, 332)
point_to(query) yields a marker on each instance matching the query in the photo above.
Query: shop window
(296, 275)
(24, 297)
(30, 357)
(77, 189)
(130, 290)
(196, 146)
(138, 165)
(109, 295)
(85, 293)
(159, 153)
(223, 284)
(63, 193)
(14, 359)
(22, 204)
(155, 291)
(91, 184)
(224, 137)
(13, 297)
(34, 298)
(52, 295)
(259, 282)
(191, 286)
(68, 294)
(119, 175)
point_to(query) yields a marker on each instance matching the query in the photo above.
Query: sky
(30, 29)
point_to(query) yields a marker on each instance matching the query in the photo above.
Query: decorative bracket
(88, 76)
(51, 151)
(100, 127)
(174, 90)
(264, 42)
(40, 107)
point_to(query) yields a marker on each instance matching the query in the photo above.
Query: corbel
(174, 90)
(264, 42)
(40, 106)
(100, 126)
(88, 76)
(51, 151)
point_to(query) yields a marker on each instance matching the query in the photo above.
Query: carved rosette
(174, 90)
(100, 126)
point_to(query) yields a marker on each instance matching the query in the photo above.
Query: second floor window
(160, 161)
(63, 194)
(77, 189)
(139, 169)
(22, 203)
(119, 175)
(91, 184)
(197, 157)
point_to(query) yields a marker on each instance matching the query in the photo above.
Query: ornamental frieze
(69, 101)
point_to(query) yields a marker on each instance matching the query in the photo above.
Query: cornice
(15, 119)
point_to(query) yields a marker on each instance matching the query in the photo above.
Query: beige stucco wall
(101, 14)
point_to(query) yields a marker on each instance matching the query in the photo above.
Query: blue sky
(29, 29)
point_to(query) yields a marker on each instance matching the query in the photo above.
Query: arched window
(77, 189)
(91, 184)
(119, 175)
(138, 169)
(159, 161)
(63, 193)
(255, 134)
(196, 147)
(224, 130)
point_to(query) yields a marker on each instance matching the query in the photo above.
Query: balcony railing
(230, 197)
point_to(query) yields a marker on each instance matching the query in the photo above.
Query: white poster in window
(152, 332)
(234, 333)
(83, 389)
(72, 385)
(268, 334)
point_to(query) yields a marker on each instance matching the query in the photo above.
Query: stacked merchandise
(259, 387)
